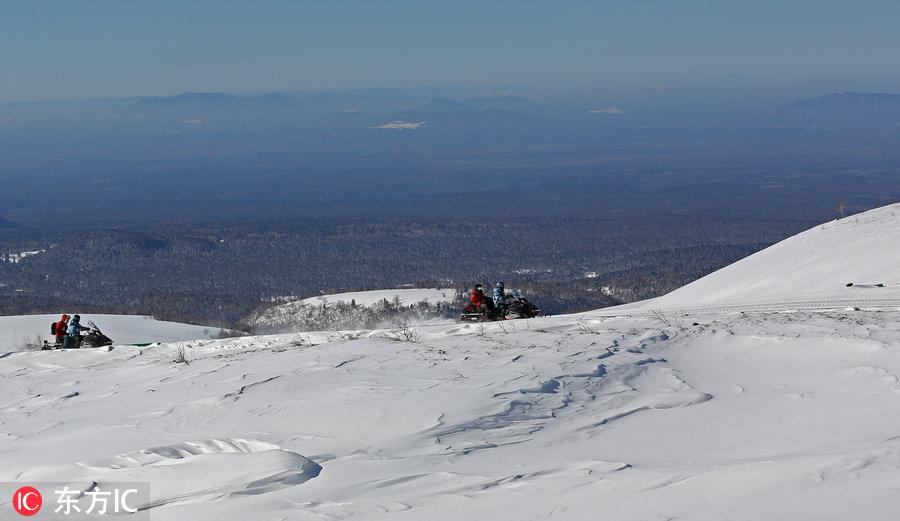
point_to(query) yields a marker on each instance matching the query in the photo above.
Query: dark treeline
(219, 273)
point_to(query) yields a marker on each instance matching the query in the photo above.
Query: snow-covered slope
(738, 416)
(407, 296)
(809, 270)
(15, 331)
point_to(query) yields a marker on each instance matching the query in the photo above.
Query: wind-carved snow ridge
(622, 385)
(199, 471)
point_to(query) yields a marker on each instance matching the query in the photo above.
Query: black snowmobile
(520, 307)
(93, 337)
(517, 307)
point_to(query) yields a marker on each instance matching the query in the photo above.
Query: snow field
(738, 417)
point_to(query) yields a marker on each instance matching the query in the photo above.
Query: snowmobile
(92, 338)
(471, 314)
(518, 307)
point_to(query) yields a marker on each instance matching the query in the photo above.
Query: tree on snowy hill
(839, 208)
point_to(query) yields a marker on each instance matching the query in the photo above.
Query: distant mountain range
(511, 104)
(467, 118)
(843, 109)
(218, 99)
(7, 224)
(485, 112)
(346, 101)
(217, 106)
(341, 110)
(195, 112)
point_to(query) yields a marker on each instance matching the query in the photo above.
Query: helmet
(499, 284)
(478, 286)
(76, 318)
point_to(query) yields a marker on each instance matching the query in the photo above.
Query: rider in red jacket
(61, 328)
(476, 297)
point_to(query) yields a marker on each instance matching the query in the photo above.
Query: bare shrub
(181, 355)
(582, 325)
(403, 330)
(675, 319)
(840, 207)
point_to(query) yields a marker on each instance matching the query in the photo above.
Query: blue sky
(77, 49)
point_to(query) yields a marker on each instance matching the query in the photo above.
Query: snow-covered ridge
(354, 310)
(808, 271)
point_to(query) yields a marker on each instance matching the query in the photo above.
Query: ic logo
(27, 501)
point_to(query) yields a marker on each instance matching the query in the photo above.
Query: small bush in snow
(582, 325)
(840, 207)
(181, 356)
(675, 319)
(403, 330)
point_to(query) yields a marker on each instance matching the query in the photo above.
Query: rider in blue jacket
(75, 329)
(499, 294)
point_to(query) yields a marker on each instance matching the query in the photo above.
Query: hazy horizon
(751, 87)
(63, 51)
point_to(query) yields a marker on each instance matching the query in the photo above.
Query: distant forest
(263, 197)
(219, 273)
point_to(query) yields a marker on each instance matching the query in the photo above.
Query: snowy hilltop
(847, 262)
(767, 390)
(358, 309)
